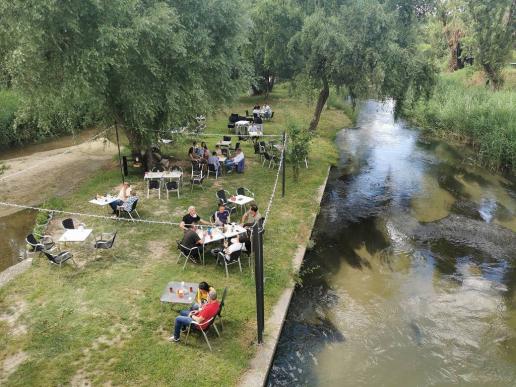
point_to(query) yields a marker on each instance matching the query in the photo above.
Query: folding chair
(198, 327)
(154, 185)
(188, 253)
(172, 186)
(233, 258)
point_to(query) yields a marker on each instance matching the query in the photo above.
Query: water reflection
(411, 280)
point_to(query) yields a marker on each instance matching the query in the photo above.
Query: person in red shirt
(202, 316)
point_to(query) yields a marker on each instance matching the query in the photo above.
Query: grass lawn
(103, 324)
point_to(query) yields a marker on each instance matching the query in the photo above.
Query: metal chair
(213, 170)
(68, 224)
(272, 159)
(245, 192)
(189, 253)
(60, 258)
(219, 313)
(172, 186)
(233, 258)
(179, 169)
(128, 208)
(203, 328)
(154, 185)
(222, 197)
(46, 243)
(197, 179)
(105, 241)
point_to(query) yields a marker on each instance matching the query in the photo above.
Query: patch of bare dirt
(56, 172)
(11, 317)
(11, 364)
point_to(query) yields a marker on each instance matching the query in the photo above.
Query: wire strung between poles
(267, 211)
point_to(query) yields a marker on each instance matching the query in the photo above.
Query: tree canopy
(145, 64)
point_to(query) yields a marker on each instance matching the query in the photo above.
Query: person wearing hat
(186, 317)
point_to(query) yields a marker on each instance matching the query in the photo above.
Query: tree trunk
(453, 37)
(323, 97)
(494, 76)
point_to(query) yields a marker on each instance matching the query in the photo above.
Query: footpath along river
(412, 277)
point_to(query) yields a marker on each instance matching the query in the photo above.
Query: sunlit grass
(103, 322)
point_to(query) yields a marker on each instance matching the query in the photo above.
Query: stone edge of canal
(258, 371)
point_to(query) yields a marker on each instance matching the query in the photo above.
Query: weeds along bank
(464, 109)
(104, 320)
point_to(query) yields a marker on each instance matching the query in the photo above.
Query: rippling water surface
(411, 280)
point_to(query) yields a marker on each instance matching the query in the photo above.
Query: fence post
(283, 165)
(258, 279)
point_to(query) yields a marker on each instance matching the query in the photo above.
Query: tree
(144, 64)
(274, 25)
(362, 47)
(494, 29)
(298, 146)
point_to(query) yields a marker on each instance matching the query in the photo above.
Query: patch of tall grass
(9, 102)
(472, 114)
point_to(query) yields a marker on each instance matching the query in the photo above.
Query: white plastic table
(163, 175)
(75, 235)
(224, 143)
(103, 200)
(241, 127)
(218, 234)
(241, 200)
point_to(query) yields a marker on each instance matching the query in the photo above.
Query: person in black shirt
(191, 218)
(192, 239)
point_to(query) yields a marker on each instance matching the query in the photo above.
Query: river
(411, 280)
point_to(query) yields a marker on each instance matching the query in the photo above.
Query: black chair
(197, 179)
(46, 243)
(226, 138)
(128, 209)
(245, 192)
(172, 186)
(225, 152)
(272, 116)
(158, 169)
(222, 196)
(68, 224)
(154, 185)
(247, 113)
(272, 159)
(189, 253)
(237, 146)
(60, 258)
(105, 241)
(219, 313)
(233, 258)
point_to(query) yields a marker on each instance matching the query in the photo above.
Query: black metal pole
(119, 154)
(283, 166)
(258, 278)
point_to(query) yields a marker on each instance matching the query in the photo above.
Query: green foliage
(494, 29)
(274, 24)
(9, 102)
(298, 146)
(486, 119)
(144, 64)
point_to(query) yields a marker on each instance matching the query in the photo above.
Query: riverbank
(463, 110)
(104, 320)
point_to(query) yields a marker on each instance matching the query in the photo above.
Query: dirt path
(50, 173)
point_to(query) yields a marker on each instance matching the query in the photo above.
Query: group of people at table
(201, 154)
(220, 218)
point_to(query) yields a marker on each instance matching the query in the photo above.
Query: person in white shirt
(236, 161)
(267, 111)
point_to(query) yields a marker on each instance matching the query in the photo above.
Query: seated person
(191, 219)
(204, 150)
(256, 111)
(214, 160)
(230, 249)
(244, 240)
(122, 196)
(208, 311)
(201, 297)
(190, 240)
(236, 162)
(218, 151)
(267, 111)
(127, 205)
(221, 217)
(192, 152)
(251, 216)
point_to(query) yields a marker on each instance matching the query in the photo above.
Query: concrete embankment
(256, 375)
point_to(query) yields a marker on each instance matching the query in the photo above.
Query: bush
(485, 119)
(9, 102)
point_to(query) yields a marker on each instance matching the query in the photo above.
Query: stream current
(411, 280)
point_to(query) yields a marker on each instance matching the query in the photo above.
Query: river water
(412, 277)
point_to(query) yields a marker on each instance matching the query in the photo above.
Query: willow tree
(144, 64)
(362, 47)
(494, 31)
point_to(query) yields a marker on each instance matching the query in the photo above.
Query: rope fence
(269, 205)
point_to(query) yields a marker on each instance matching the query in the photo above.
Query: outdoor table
(217, 234)
(163, 175)
(173, 297)
(75, 235)
(222, 158)
(103, 200)
(224, 143)
(241, 200)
